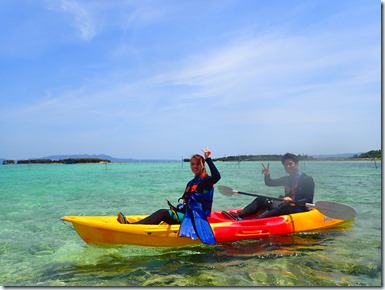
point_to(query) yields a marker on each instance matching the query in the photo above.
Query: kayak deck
(106, 230)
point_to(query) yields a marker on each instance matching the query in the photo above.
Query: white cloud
(254, 84)
(81, 18)
(260, 74)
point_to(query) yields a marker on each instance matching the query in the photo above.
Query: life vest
(205, 198)
(293, 189)
(291, 185)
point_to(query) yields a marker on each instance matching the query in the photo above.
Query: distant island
(80, 158)
(101, 158)
(57, 161)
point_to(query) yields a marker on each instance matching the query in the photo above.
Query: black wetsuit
(203, 187)
(300, 188)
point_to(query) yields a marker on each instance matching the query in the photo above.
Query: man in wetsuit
(299, 188)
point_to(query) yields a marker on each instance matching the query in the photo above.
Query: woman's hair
(201, 159)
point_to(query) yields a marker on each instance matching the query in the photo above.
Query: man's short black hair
(289, 156)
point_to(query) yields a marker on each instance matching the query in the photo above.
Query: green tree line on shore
(268, 157)
(61, 161)
(373, 154)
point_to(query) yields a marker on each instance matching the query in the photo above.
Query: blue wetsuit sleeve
(208, 182)
(215, 175)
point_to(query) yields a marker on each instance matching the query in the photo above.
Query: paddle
(331, 209)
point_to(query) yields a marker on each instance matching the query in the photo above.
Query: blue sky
(164, 78)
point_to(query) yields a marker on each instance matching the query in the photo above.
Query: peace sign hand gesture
(266, 170)
(207, 152)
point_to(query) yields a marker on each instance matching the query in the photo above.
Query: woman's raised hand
(207, 152)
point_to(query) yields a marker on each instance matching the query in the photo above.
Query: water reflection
(302, 259)
(282, 245)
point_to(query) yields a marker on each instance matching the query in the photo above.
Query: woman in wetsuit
(202, 183)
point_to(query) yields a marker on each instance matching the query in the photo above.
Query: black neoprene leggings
(271, 209)
(253, 207)
(157, 217)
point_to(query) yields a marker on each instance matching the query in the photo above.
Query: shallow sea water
(37, 249)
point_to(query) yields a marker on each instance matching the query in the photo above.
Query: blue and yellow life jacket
(205, 198)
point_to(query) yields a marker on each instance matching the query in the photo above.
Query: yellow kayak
(106, 230)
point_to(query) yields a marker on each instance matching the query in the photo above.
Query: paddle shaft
(328, 208)
(274, 198)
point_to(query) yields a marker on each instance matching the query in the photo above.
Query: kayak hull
(106, 230)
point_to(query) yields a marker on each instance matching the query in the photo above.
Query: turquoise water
(37, 249)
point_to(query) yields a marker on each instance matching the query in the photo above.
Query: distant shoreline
(48, 162)
(372, 155)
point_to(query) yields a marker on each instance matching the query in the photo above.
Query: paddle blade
(336, 210)
(226, 190)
